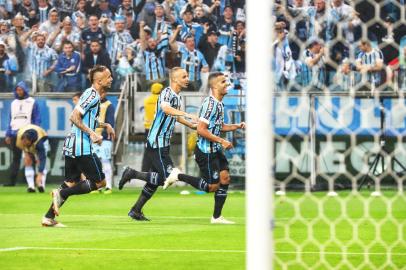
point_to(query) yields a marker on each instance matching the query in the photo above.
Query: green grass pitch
(311, 232)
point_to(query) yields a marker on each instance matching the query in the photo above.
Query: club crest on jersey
(215, 175)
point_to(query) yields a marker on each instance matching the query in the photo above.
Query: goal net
(339, 122)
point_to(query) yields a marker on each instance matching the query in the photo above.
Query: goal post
(259, 138)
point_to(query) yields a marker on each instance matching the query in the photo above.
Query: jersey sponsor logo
(215, 175)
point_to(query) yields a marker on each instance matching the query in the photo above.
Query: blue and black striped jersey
(78, 143)
(161, 130)
(211, 113)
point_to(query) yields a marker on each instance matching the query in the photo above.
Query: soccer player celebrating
(209, 151)
(77, 149)
(158, 141)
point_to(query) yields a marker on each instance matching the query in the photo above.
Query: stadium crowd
(339, 45)
(52, 44)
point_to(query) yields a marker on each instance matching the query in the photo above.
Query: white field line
(124, 216)
(118, 216)
(123, 249)
(200, 251)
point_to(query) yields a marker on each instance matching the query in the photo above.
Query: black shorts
(211, 164)
(89, 165)
(158, 160)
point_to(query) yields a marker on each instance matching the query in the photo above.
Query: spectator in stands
(313, 71)
(8, 68)
(226, 27)
(192, 60)
(132, 26)
(344, 78)
(189, 28)
(41, 60)
(370, 64)
(161, 30)
(93, 32)
(64, 7)
(3, 59)
(97, 56)
(127, 7)
(125, 64)
(66, 33)
(101, 8)
(52, 24)
(24, 8)
(68, 69)
(118, 39)
(238, 49)
(200, 15)
(24, 110)
(4, 30)
(283, 65)
(33, 140)
(154, 57)
(343, 17)
(43, 10)
(214, 52)
(79, 15)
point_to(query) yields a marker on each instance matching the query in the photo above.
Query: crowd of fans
(51, 44)
(337, 45)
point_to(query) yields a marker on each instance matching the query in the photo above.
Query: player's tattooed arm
(76, 118)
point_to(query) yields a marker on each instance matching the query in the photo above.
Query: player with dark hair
(33, 141)
(209, 151)
(77, 149)
(158, 141)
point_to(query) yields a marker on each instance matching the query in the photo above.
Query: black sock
(50, 213)
(149, 177)
(220, 197)
(82, 187)
(196, 182)
(146, 194)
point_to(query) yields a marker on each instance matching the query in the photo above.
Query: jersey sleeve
(166, 97)
(87, 101)
(206, 111)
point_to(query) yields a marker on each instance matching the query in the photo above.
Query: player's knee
(213, 187)
(225, 178)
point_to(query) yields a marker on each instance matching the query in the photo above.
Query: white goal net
(339, 126)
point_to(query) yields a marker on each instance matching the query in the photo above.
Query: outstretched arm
(233, 127)
(175, 112)
(187, 123)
